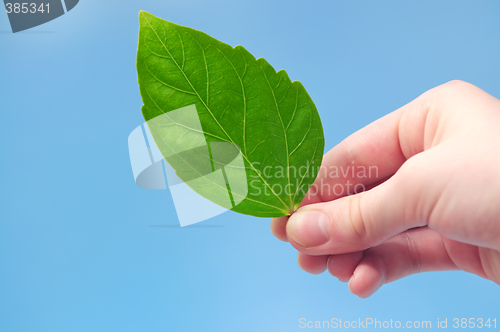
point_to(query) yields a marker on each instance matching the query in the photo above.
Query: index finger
(367, 157)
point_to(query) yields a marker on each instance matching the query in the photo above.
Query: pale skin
(434, 206)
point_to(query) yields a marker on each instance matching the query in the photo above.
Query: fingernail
(309, 228)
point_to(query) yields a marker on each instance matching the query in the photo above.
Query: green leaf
(235, 130)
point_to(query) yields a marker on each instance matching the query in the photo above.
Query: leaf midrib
(284, 131)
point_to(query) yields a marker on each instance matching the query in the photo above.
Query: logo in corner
(27, 15)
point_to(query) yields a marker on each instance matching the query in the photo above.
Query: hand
(432, 198)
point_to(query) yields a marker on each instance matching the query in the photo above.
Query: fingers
(365, 157)
(415, 251)
(371, 235)
(375, 152)
(361, 221)
(342, 266)
(278, 228)
(312, 264)
(278, 225)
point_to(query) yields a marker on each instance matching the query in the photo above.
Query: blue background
(82, 248)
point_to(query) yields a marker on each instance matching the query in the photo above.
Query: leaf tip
(143, 14)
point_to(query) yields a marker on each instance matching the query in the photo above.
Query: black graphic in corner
(26, 15)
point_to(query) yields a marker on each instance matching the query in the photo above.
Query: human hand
(432, 200)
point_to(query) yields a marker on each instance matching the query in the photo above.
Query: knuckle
(456, 83)
(454, 88)
(432, 99)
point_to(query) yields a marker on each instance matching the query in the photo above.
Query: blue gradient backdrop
(80, 245)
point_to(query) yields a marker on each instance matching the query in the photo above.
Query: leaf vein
(213, 116)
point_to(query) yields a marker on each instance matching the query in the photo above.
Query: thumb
(364, 220)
